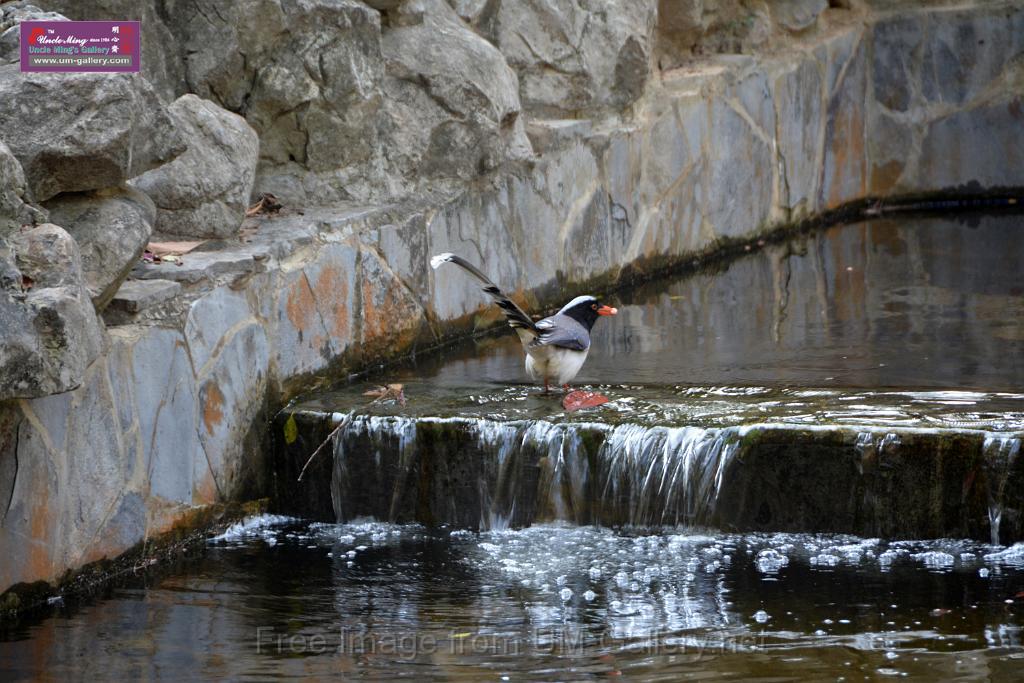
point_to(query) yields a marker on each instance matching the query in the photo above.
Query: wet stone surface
(277, 598)
(911, 321)
(865, 379)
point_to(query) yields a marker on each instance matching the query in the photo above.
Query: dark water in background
(546, 603)
(922, 305)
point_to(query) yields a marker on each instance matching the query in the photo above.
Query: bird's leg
(547, 389)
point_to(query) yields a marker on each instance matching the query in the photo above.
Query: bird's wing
(561, 331)
(516, 317)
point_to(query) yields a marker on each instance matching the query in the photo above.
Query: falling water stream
(482, 533)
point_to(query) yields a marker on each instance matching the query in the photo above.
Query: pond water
(281, 599)
(923, 303)
(916, 322)
(874, 326)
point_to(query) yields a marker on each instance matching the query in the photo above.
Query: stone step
(464, 460)
(135, 296)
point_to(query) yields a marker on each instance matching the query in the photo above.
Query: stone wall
(170, 413)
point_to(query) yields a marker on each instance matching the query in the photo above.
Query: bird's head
(586, 310)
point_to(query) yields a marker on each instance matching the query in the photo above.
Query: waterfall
(491, 475)
(999, 453)
(666, 475)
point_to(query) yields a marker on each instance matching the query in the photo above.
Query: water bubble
(824, 560)
(589, 596)
(770, 561)
(761, 617)
(565, 594)
(983, 572)
(935, 560)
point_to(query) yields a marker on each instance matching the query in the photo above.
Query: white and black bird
(556, 346)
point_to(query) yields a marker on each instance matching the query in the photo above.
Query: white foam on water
(250, 527)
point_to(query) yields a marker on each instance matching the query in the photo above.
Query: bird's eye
(594, 306)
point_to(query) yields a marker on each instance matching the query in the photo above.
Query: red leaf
(576, 400)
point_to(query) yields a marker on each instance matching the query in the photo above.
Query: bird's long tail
(516, 317)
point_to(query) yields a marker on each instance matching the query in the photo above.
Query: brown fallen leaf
(162, 249)
(266, 204)
(392, 392)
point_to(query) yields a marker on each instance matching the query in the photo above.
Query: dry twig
(330, 439)
(266, 204)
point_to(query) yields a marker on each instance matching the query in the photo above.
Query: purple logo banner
(104, 46)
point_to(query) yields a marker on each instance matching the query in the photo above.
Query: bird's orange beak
(607, 310)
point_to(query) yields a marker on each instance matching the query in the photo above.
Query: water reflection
(909, 303)
(384, 601)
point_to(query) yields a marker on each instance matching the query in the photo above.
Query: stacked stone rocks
(557, 142)
(82, 188)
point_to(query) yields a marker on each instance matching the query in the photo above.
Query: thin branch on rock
(330, 439)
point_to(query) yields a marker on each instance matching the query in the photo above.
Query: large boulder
(574, 56)
(49, 333)
(797, 15)
(162, 63)
(13, 14)
(205, 191)
(83, 131)
(112, 228)
(452, 109)
(14, 211)
(305, 74)
(701, 27)
(681, 26)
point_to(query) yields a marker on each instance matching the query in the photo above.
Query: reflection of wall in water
(892, 302)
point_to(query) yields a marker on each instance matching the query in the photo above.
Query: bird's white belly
(554, 364)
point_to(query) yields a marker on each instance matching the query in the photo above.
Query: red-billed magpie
(556, 346)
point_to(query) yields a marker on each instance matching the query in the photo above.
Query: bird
(557, 346)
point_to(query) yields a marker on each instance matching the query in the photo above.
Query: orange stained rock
(213, 407)
(300, 305)
(847, 144)
(331, 291)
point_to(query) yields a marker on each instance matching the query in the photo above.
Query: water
(872, 336)
(875, 339)
(932, 304)
(381, 601)
(517, 473)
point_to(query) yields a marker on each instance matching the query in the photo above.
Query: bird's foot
(576, 400)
